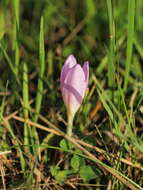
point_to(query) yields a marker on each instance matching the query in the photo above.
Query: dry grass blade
(5, 152)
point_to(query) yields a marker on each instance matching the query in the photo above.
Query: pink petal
(69, 63)
(74, 88)
(86, 71)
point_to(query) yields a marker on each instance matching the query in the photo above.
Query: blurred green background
(80, 28)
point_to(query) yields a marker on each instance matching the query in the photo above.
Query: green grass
(111, 51)
(130, 39)
(35, 39)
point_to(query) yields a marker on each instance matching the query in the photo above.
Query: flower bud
(73, 83)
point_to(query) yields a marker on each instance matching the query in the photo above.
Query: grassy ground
(106, 149)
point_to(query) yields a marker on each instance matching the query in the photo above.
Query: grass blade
(40, 89)
(41, 71)
(9, 63)
(111, 53)
(130, 34)
(16, 4)
(25, 104)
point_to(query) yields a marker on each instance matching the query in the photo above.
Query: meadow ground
(105, 151)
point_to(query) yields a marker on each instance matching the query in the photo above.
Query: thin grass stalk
(40, 87)
(111, 53)
(17, 10)
(17, 54)
(2, 22)
(41, 71)
(10, 63)
(2, 106)
(26, 105)
(16, 33)
(130, 38)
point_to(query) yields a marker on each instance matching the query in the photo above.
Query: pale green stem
(70, 124)
(69, 133)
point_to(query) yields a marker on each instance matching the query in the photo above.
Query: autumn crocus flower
(73, 83)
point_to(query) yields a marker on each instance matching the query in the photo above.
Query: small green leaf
(76, 162)
(60, 175)
(54, 170)
(87, 173)
(65, 145)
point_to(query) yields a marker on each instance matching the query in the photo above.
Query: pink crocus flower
(73, 83)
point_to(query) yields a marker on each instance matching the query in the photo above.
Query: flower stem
(70, 124)
(69, 133)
